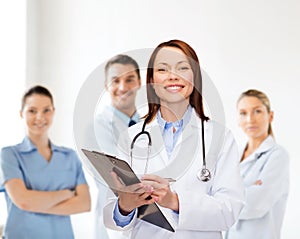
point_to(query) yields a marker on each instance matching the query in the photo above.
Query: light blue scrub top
(63, 171)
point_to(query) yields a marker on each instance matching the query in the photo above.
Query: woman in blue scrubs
(44, 182)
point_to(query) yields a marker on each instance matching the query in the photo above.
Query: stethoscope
(203, 174)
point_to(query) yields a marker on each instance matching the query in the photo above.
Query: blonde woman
(264, 167)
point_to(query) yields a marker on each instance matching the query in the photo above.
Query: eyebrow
(122, 75)
(165, 63)
(255, 107)
(258, 106)
(35, 108)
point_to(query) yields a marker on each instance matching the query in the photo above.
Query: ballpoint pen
(171, 180)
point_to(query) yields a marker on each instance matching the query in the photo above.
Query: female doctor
(195, 208)
(265, 170)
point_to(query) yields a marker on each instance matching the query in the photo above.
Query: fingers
(116, 179)
(155, 181)
(147, 198)
(258, 182)
(137, 188)
(155, 178)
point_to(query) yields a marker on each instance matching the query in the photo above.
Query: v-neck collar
(265, 146)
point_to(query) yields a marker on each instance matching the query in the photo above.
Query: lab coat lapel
(264, 147)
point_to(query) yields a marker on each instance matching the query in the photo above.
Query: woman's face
(37, 113)
(254, 118)
(173, 76)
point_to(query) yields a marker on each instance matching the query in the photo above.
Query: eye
(32, 111)
(258, 111)
(114, 81)
(162, 69)
(183, 68)
(242, 113)
(47, 110)
(129, 80)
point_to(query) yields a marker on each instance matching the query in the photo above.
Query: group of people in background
(244, 197)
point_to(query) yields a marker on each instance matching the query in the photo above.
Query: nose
(173, 75)
(39, 115)
(122, 86)
(250, 117)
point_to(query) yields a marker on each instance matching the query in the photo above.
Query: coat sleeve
(108, 214)
(275, 186)
(217, 209)
(108, 211)
(104, 135)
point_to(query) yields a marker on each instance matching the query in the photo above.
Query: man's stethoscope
(203, 174)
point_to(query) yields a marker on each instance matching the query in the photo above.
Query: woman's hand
(258, 182)
(162, 193)
(133, 196)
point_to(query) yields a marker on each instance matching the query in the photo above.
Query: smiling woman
(175, 121)
(44, 183)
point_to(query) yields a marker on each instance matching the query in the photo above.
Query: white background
(241, 44)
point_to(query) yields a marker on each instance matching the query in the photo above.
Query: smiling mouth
(174, 87)
(126, 95)
(252, 128)
(40, 125)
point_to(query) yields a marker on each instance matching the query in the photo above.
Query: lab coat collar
(125, 118)
(191, 128)
(264, 147)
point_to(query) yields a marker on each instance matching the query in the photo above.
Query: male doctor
(122, 81)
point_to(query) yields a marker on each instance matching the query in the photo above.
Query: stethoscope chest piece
(204, 175)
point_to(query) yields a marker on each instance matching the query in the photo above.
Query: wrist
(175, 202)
(124, 211)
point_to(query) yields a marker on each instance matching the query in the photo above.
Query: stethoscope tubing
(203, 174)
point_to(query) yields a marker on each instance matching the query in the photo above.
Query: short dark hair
(124, 60)
(39, 90)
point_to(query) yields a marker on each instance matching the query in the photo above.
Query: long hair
(196, 100)
(264, 100)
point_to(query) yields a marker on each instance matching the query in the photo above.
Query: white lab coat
(206, 208)
(262, 216)
(108, 125)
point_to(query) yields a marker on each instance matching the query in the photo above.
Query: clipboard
(105, 163)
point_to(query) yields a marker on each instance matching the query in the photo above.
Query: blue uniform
(63, 171)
